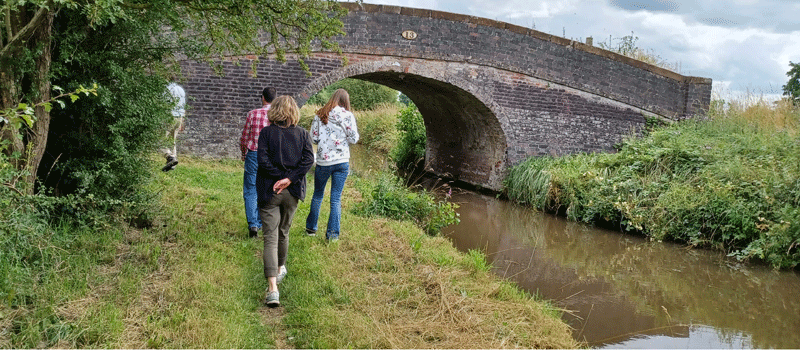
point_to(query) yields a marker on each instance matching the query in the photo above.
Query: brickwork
(491, 94)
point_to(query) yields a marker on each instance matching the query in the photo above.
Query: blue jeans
(249, 190)
(338, 174)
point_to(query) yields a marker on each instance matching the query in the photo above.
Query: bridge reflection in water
(622, 291)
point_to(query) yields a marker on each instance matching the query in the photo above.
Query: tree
(364, 95)
(205, 30)
(792, 87)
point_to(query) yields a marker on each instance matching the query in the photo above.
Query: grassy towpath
(385, 284)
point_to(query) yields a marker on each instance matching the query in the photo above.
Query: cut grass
(372, 290)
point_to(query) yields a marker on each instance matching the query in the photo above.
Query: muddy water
(625, 292)
(621, 291)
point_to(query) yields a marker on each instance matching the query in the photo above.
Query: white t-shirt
(180, 99)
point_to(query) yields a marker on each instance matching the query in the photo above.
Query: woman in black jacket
(285, 155)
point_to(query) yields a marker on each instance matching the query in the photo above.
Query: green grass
(182, 274)
(730, 182)
(193, 280)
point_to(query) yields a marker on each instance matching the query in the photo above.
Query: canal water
(622, 291)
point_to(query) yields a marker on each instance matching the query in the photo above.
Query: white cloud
(743, 45)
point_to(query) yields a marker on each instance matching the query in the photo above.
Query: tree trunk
(8, 92)
(37, 136)
(30, 29)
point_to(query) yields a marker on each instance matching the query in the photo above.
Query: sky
(744, 46)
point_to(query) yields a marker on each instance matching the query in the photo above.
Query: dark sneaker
(310, 232)
(281, 273)
(272, 299)
(253, 232)
(171, 163)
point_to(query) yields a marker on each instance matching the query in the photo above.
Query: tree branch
(12, 187)
(8, 23)
(28, 30)
(136, 6)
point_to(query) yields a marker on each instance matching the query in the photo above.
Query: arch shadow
(465, 138)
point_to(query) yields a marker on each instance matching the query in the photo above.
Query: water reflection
(622, 291)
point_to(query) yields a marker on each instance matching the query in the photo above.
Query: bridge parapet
(377, 30)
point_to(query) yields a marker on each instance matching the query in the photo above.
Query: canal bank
(625, 291)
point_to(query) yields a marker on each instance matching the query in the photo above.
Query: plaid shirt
(256, 120)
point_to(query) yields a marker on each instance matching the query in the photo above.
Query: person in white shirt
(179, 97)
(333, 130)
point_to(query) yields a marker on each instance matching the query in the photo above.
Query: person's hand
(280, 185)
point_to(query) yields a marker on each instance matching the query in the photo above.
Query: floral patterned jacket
(334, 139)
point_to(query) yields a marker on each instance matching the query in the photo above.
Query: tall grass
(376, 126)
(728, 182)
(185, 280)
(388, 196)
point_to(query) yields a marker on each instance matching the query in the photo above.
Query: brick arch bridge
(491, 93)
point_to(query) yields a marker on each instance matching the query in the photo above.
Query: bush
(729, 182)
(389, 197)
(410, 149)
(103, 145)
(364, 95)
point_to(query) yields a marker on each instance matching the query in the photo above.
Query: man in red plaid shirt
(248, 143)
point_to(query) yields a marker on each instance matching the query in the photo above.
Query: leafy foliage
(390, 198)
(410, 149)
(102, 145)
(726, 183)
(792, 87)
(83, 34)
(364, 95)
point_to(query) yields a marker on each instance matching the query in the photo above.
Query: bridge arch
(465, 137)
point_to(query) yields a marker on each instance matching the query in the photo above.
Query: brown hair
(341, 98)
(284, 111)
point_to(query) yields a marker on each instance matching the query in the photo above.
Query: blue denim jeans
(249, 190)
(338, 174)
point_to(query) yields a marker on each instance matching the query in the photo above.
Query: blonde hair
(284, 111)
(341, 98)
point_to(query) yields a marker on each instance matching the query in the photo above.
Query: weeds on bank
(387, 196)
(729, 182)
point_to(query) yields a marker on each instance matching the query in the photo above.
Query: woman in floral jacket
(333, 130)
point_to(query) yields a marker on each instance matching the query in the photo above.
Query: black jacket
(283, 152)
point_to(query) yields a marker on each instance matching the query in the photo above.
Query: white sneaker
(272, 299)
(281, 273)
